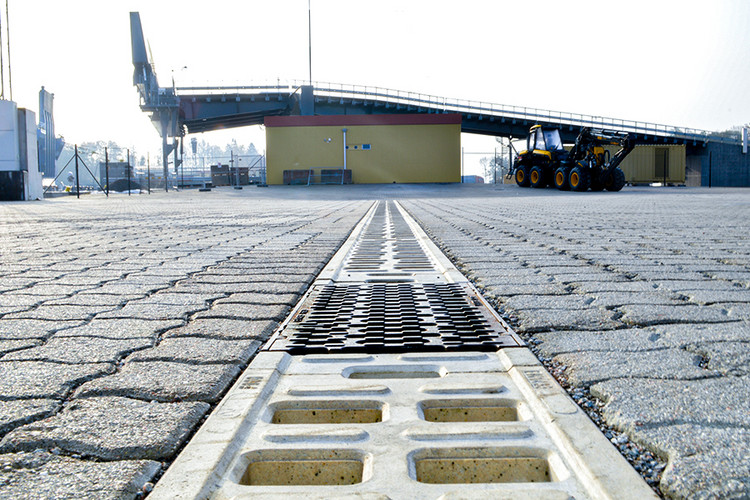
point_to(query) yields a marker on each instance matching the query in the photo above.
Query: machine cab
(543, 140)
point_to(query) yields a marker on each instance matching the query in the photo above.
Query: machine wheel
(522, 176)
(536, 177)
(578, 179)
(561, 179)
(615, 180)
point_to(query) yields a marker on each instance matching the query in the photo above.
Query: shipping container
(651, 164)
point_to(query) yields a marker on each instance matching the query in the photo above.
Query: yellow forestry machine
(587, 165)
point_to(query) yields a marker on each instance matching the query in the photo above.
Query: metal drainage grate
(388, 244)
(391, 317)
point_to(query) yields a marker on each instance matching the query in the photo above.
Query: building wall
(403, 148)
(9, 150)
(724, 165)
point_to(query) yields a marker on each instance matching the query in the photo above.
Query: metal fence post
(78, 185)
(128, 169)
(106, 168)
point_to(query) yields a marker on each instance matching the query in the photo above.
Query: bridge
(176, 111)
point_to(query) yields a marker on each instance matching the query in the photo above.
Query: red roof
(352, 120)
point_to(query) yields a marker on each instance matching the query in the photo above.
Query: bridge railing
(485, 109)
(386, 96)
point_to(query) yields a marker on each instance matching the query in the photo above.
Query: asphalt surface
(123, 320)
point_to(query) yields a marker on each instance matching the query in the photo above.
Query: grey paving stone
(116, 288)
(729, 358)
(81, 350)
(58, 313)
(648, 314)
(690, 286)
(587, 368)
(516, 278)
(275, 312)
(22, 411)
(151, 311)
(602, 342)
(588, 277)
(615, 299)
(737, 277)
(200, 350)
(673, 274)
(8, 310)
(90, 300)
(250, 278)
(537, 320)
(635, 403)
(228, 288)
(528, 302)
(509, 290)
(29, 329)
(33, 379)
(705, 461)
(737, 311)
(738, 295)
(222, 328)
(44, 289)
(44, 476)
(288, 299)
(602, 286)
(181, 299)
(7, 346)
(17, 299)
(124, 328)
(164, 381)
(111, 428)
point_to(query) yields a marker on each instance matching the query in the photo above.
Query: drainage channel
(393, 378)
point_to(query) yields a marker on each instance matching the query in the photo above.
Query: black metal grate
(388, 235)
(391, 317)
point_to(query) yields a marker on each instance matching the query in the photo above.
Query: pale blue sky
(682, 63)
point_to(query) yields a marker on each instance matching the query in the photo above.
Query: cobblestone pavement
(122, 321)
(640, 298)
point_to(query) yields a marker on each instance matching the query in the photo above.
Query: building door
(661, 164)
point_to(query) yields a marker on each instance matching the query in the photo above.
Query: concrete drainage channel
(393, 378)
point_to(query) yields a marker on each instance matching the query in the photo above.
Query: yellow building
(373, 148)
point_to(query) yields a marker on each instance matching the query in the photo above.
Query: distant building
(20, 178)
(363, 149)
(117, 170)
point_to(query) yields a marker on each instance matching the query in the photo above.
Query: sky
(683, 63)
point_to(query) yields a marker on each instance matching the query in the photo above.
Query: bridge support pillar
(307, 102)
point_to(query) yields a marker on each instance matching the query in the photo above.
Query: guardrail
(469, 107)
